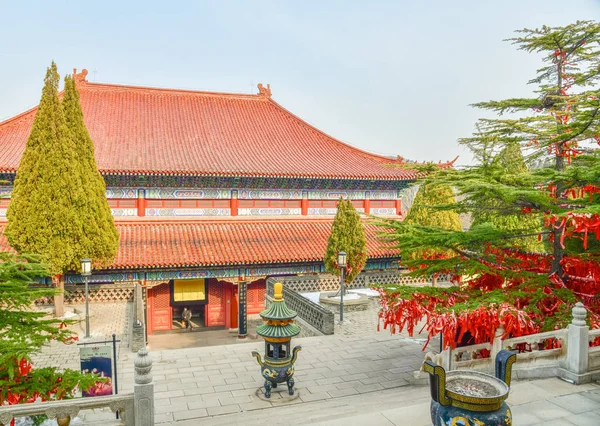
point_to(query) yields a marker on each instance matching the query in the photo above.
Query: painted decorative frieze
(383, 211)
(3, 212)
(5, 191)
(267, 183)
(182, 275)
(302, 269)
(123, 212)
(382, 195)
(269, 212)
(275, 194)
(314, 268)
(103, 278)
(183, 194)
(121, 193)
(187, 212)
(323, 211)
(336, 195)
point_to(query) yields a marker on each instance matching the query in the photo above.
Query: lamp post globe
(86, 271)
(342, 266)
(342, 259)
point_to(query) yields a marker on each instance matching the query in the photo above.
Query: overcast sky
(392, 77)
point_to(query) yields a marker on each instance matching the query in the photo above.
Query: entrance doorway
(167, 301)
(198, 316)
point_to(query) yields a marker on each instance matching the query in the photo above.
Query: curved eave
(241, 175)
(253, 175)
(234, 265)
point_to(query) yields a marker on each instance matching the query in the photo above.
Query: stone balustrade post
(578, 344)
(446, 359)
(143, 390)
(497, 343)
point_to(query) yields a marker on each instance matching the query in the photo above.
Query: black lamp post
(342, 266)
(86, 271)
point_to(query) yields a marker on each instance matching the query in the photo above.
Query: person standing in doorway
(186, 315)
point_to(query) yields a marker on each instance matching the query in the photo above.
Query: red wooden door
(160, 301)
(215, 310)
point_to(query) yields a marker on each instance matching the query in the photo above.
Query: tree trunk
(59, 299)
(557, 250)
(557, 253)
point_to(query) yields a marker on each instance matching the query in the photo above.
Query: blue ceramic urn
(469, 398)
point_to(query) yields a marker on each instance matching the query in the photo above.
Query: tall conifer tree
(58, 207)
(347, 235)
(422, 213)
(43, 216)
(100, 236)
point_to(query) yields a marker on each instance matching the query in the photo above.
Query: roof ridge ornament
(81, 77)
(263, 91)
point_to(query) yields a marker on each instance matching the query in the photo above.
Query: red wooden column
(367, 203)
(234, 203)
(141, 203)
(304, 203)
(398, 207)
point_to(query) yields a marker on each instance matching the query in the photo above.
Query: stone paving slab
(212, 382)
(410, 406)
(342, 379)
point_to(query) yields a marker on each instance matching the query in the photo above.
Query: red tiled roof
(138, 130)
(225, 242)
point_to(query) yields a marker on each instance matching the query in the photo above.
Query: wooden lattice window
(162, 298)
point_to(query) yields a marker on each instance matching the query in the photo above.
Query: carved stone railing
(541, 345)
(135, 409)
(69, 408)
(316, 315)
(594, 350)
(471, 356)
(594, 339)
(568, 353)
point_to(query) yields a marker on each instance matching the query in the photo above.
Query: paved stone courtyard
(357, 377)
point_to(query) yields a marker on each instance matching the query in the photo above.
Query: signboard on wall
(189, 290)
(97, 359)
(243, 311)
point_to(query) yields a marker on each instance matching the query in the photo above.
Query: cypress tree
(43, 215)
(347, 235)
(100, 236)
(58, 206)
(511, 163)
(422, 214)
